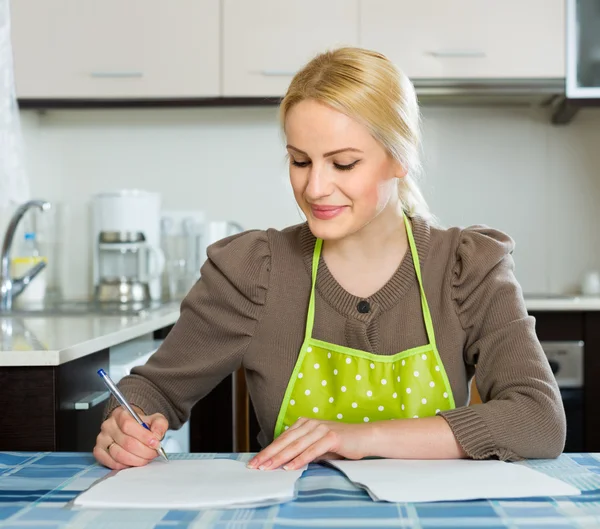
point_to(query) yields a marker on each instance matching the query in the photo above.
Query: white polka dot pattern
(336, 384)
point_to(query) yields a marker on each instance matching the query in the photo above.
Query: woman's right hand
(123, 443)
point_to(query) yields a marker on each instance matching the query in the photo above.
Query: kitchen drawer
(461, 39)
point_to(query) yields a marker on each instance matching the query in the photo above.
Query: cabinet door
(265, 42)
(116, 48)
(461, 39)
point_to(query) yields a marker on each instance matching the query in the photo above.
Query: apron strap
(310, 318)
(417, 264)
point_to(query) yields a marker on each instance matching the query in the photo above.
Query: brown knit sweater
(249, 309)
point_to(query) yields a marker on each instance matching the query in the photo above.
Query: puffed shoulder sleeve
(522, 415)
(217, 321)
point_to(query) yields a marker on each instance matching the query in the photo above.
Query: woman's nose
(318, 185)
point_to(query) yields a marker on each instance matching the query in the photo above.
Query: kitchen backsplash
(504, 167)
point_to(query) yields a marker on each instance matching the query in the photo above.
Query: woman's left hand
(310, 439)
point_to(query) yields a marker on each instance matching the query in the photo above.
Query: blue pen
(123, 401)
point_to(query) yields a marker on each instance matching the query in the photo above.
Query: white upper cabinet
(116, 48)
(468, 38)
(266, 41)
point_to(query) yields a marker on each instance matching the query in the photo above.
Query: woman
(360, 329)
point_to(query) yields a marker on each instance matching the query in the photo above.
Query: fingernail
(265, 465)
(153, 443)
(251, 464)
(289, 466)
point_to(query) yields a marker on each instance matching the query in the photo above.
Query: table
(36, 488)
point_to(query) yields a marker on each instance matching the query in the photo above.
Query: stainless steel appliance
(128, 261)
(123, 269)
(566, 362)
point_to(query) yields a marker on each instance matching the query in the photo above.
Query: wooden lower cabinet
(38, 405)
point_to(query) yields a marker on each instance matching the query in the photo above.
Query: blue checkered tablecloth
(36, 488)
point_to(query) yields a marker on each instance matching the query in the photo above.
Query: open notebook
(191, 484)
(397, 480)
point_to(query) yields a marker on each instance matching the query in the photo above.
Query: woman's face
(341, 176)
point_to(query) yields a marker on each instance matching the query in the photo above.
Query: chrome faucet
(11, 288)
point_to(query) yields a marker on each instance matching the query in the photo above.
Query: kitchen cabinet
(265, 42)
(109, 49)
(466, 39)
(40, 405)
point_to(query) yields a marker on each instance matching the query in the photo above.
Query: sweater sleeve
(215, 327)
(522, 414)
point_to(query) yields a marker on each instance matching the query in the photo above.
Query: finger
(262, 460)
(328, 456)
(119, 428)
(133, 446)
(123, 456)
(158, 424)
(104, 458)
(102, 455)
(142, 443)
(298, 423)
(323, 445)
(298, 446)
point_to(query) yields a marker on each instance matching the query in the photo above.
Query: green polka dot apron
(336, 383)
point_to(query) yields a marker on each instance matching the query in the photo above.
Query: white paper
(397, 480)
(191, 484)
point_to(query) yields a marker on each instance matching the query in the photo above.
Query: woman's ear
(399, 171)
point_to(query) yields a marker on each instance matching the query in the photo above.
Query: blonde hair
(367, 87)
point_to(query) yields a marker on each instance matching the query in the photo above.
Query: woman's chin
(328, 230)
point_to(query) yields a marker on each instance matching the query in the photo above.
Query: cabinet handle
(458, 54)
(87, 402)
(277, 73)
(116, 75)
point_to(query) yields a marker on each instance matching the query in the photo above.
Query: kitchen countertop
(552, 302)
(55, 340)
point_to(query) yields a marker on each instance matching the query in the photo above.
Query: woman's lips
(326, 212)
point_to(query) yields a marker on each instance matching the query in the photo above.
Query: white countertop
(562, 303)
(55, 340)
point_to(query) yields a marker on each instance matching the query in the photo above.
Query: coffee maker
(127, 258)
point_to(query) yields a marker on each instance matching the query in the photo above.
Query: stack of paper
(191, 484)
(449, 480)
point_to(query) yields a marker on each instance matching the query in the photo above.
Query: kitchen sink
(83, 308)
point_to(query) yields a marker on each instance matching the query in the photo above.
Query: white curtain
(14, 184)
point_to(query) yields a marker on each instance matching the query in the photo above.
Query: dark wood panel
(161, 334)
(211, 421)
(254, 430)
(27, 404)
(76, 430)
(592, 381)
(558, 326)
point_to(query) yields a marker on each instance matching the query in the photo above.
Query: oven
(566, 361)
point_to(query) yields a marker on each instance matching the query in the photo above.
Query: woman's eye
(299, 164)
(345, 167)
